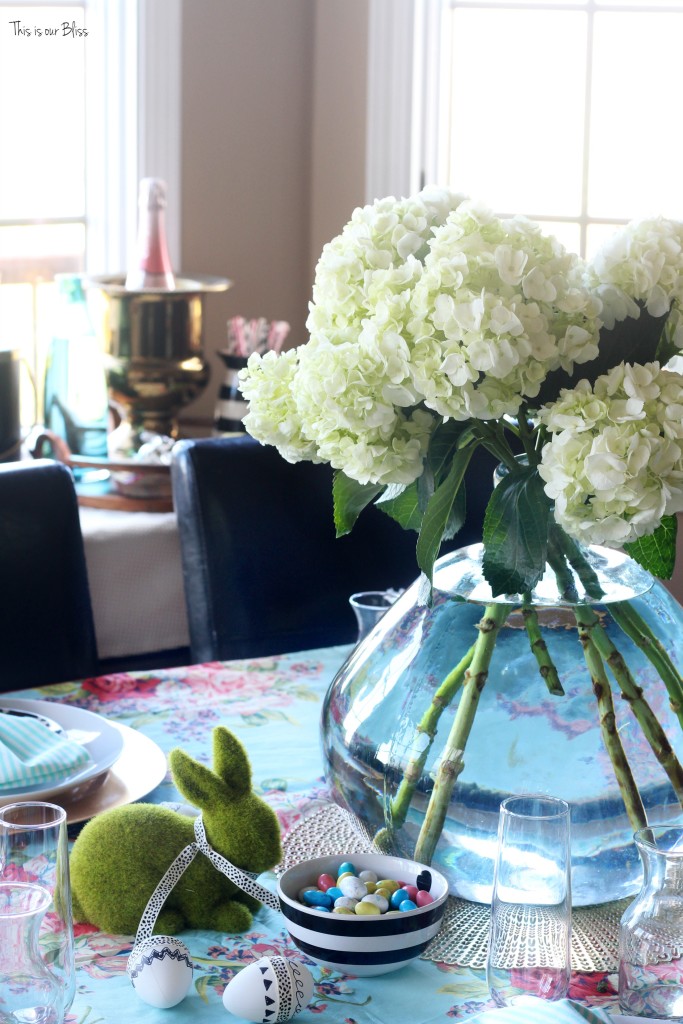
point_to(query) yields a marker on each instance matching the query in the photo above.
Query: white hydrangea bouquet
(437, 327)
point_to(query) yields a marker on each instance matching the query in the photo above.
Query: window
(564, 110)
(89, 115)
(42, 175)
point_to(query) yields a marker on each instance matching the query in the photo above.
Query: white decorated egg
(160, 969)
(273, 988)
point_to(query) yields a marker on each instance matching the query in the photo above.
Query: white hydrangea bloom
(380, 251)
(273, 418)
(348, 397)
(640, 263)
(614, 463)
(499, 306)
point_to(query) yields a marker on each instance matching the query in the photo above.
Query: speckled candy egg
(273, 988)
(160, 969)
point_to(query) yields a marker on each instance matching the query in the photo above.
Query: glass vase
(651, 930)
(523, 739)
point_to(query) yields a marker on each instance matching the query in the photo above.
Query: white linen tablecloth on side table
(136, 581)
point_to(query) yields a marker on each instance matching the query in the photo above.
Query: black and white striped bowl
(363, 946)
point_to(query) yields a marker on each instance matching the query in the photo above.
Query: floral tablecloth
(273, 705)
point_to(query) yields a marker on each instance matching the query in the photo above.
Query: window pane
(566, 232)
(42, 169)
(40, 250)
(517, 100)
(636, 142)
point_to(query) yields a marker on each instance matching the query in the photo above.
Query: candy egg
(160, 968)
(271, 989)
(397, 898)
(380, 901)
(317, 899)
(345, 901)
(406, 905)
(423, 898)
(353, 887)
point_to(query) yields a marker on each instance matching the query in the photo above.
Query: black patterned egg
(273, 989)
(160, 968)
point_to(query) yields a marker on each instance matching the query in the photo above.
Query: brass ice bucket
(153, 351)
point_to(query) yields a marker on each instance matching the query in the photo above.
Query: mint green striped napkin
(32, 754)
(541, 1011)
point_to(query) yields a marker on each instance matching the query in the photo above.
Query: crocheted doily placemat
(463, 938)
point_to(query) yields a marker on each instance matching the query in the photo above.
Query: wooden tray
(98, 489)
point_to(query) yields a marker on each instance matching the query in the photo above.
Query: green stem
(451, 763)
(539, 648)
(590, 622)
(629, 620)
(622, 769)
(412, 774)
(558, 563)
(579, 564)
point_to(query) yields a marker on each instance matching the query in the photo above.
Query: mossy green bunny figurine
(121, 855)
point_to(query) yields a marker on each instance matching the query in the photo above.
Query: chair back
(264, 572)
(47, 633)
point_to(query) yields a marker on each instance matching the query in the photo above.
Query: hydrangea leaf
(403, 507)
(350, 498)
(516, 533)
(437, 519)
(657, 551)
(447, 439)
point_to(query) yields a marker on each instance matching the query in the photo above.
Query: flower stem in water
(622, 769)
(539, 648)
(589, 621)
(398, 808)
(626, 616)
(452, 761)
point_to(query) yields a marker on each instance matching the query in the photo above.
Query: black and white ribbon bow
(242, 879)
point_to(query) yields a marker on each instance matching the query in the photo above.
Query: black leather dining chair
(47, 633)
(263, 570)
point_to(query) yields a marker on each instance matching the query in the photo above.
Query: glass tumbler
(34, 850)
(529, 955)
(369, 606)
(28, 989)
(651, 929)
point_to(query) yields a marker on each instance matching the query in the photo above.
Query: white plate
(139, 770)
(102, 740)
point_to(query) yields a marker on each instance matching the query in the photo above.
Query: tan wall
(273, 151)
(339, 118)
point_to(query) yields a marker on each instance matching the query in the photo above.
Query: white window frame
(133, 121)
(406, 113)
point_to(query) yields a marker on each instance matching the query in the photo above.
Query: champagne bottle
(152, 267)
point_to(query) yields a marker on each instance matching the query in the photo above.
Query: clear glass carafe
(651, 931)
(34, 849)
(29, 992)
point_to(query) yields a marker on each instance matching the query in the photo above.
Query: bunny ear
(231, 762)
(195, 781)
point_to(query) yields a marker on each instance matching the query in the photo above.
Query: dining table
(273, 705)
